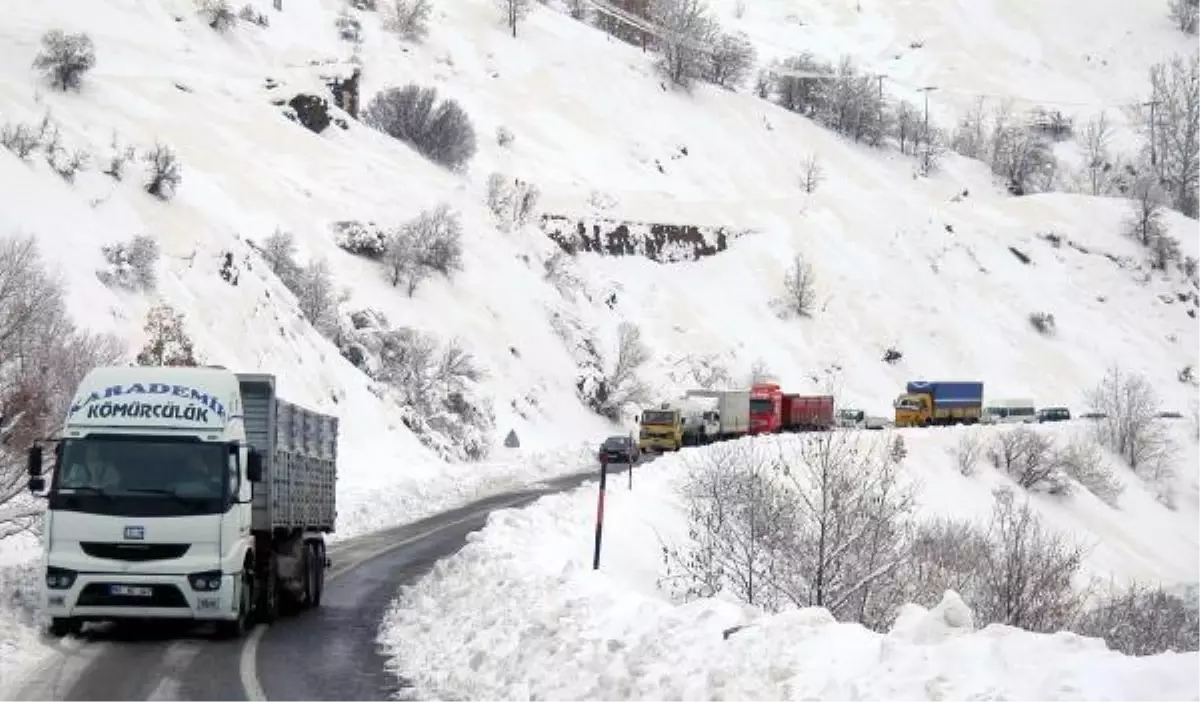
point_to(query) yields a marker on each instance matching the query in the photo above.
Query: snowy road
(327, 654)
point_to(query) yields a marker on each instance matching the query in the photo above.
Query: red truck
(807, 412)
(773, 411)
(766, 408)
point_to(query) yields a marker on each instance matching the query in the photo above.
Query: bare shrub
(578, 9)
(65, 58)
(431, 242)
(442, 134)
(167, 342)
(1083, 460)
(898, 451)
(800, 287)
(21, 139)
(731, 61)
(408, 19)
(504, 136)
(1026, 577)
(217, 14)
(1025, 455)
(66, 165)
(249, 14)
(1043, 323)
(1164, 250)
(349, 26)
(811, 173)
(132, 265)
(166, 172)
(1174, 125)
(944, 555)
(318, 297)
(1147, 204)
(1185, 14)
(437, 386)
(513, 203)
(970, 448)
(1143, 621)
(119, 156)
(279, 252)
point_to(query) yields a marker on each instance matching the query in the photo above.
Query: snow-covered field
(900, 261)
(542, 625)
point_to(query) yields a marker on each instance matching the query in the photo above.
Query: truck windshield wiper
(164, 491)
(75, 489)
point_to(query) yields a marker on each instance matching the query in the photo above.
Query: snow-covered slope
(899, 260)
(626, 639)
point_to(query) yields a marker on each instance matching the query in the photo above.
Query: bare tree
(279, 252)
(578, 9)
(1164, 250)
(1025, 455)
(1145, 224)
(799, 285)
(623, 384)
(811, 173)
(1026, 577)
(760, 372)
(65, 58)
(401, 259)
(132, 265)
(167, 342)
(217, 14)
(1130, 425)
(971, 137)
(851, 529)
(442, 133)
(732, 60)
(1098, 161)
(740, 517)
(906, 127)
(1185, 14)
(408, 19)
(687, 30)
(944, 554)
(1175, 94)
(21, 139)
(514, 12)
(799, 93)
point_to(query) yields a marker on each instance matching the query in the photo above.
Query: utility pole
(926, 90)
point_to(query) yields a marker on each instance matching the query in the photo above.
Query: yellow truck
(939, 404)
(661, 429)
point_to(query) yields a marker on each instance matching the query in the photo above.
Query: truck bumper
(658, 444)
(90, 598)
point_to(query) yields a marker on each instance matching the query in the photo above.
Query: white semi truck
(185, 493)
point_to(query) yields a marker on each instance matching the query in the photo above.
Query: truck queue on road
(704, 416)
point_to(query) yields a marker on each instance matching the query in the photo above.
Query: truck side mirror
(254, 467)
(37, 484)
(637, 418)
(34, 465)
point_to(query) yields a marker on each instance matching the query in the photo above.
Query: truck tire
(267, 607)
(319, 588)
(237, 628)
(61, 626)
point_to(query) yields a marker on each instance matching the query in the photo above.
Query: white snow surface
(899, 260)
(519, 613)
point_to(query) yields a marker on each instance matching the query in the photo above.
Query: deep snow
(540, 624)
(900, 260)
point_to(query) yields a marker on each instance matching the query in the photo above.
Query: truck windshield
(761, 406)
(144, 476)
(658, 417)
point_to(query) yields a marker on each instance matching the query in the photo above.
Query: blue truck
(939, 403)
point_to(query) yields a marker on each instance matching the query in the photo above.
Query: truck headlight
(59, 578)
(207, 581)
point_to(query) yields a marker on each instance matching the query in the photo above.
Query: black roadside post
(600, 514)
(632, 460)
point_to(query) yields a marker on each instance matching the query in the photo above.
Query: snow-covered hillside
(947, 269)
(625, 637)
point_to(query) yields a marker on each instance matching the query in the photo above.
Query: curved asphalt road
(324, 654)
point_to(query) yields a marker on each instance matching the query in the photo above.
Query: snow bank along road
(324, 654)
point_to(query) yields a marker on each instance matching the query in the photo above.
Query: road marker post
(600, 514)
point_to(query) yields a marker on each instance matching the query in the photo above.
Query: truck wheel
(61, 626)
(319, 558)
(311, 573)
(267, 609)
(237, 628)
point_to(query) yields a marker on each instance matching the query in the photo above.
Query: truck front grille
(133, 552)
(97, 595)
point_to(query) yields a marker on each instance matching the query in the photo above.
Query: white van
(1021, 411)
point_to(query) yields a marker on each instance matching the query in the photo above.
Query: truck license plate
(130, 590)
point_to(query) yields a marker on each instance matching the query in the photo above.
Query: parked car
(1053, 414)
(619, 449)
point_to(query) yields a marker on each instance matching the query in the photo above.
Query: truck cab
(766, 408)
(152, 506)
(661, 429)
